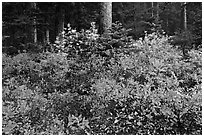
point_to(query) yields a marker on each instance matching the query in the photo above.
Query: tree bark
(47, 36)
(185, 16)
(157, 11)
(61, 23)
(105, 17)
(34, 6)
(122, 14)
(184, 37)
(134, 16)
(145, 6)
(152, 7)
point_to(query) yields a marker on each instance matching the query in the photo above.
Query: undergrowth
(92, 84)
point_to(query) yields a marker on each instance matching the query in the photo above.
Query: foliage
(17, 20)
(152, 93)
(139, 87)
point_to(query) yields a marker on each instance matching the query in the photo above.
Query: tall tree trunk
(122, 14)
(34, 6)
(157, 12)
(152, 7)
(105, 17)
(185, 16)
(167, 24)
(61, 22)
(46, 33)
(134, 16)
(145, 6)
(184, 38)
(47, 36)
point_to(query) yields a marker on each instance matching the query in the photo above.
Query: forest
(101, 68)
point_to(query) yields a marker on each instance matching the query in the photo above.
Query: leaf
(139, 123)
(116, 121)
(130, 117)
(9, 127)
(149, 116)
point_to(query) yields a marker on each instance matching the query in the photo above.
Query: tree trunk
(122, 14)
(145, 6)
(185, 39)
(152, 7)
(185, 16)
(134, 16)
(47, 36)
(105, 17)
(34, 6)
(46, 31)
(61, 23)
(157, 12)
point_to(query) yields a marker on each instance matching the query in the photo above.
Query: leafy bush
(92, 84)
(154, 91)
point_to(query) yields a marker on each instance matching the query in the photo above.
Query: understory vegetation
(96, 84)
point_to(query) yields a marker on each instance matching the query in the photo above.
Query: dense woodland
(41, 23)
(101, 68)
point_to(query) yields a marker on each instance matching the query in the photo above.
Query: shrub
(140, 87)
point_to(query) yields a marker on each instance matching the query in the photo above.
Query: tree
(157, 12)
(152, 7)
(105, 17)
(185, 16)
(194, 19)
(61, 20)
(24, 23)
(170, 17)
(34, 7)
